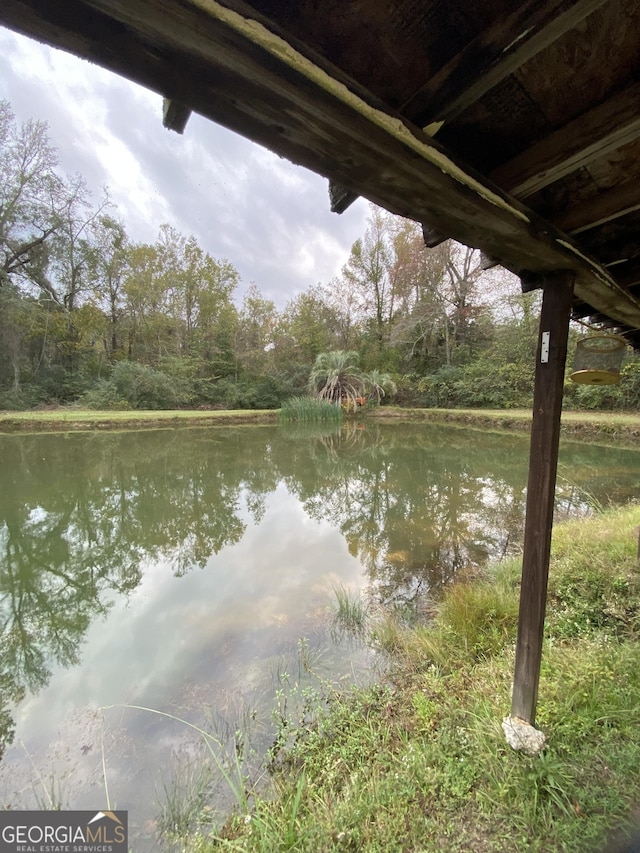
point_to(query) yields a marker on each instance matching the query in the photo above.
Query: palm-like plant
(379, 384)
(336, 377)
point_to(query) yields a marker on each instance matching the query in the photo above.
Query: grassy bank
(419, 762)
(69, 419)
(601, 426)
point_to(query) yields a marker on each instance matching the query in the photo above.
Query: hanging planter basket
(598, 359)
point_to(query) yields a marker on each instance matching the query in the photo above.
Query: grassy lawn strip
(419, 762)
(67, 419)
(599, 426)
(596, 426)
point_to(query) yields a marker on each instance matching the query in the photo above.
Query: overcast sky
(271, 219)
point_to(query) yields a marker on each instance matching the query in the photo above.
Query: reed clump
(309, 410)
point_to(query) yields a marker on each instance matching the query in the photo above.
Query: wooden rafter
(609, 205)
(497, 52)
(486, 61)
(175, 115)
(628, 274)
(589, 137)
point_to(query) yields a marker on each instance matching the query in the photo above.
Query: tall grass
(349, 614)
(421, 763)
(308, 409)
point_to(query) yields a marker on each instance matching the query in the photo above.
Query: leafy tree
(32, 201)
(367, 273)
(199, 290)
(109, 264)
(306, 327)
(257, 322)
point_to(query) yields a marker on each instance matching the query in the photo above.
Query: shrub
(136, 386)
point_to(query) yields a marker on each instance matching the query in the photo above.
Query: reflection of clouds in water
(246, 569)
(217, 628)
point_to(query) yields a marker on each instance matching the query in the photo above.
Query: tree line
(89, 315)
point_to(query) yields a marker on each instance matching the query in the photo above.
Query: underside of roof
(513, 128)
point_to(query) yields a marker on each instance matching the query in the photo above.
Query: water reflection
(169, 567)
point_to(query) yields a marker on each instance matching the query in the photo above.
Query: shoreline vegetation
(595, 426)
(419, 762)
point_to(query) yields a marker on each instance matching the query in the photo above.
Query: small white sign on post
(544, 348)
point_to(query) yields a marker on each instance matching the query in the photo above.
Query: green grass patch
(598, 427)
(72, 419)
(309, 410)
(349, 612)
(421, 763)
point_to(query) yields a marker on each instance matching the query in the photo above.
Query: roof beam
(615, 243)
(486, 61)
(592, 135)
(239, 72)
(432, 237)
(628, 274)
(340, 197)
(175, 115)
(492, 56)
(609, 205)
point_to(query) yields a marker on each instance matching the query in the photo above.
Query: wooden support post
(557, 290)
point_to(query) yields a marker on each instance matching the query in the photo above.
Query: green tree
(32, 200)
(306, 327)
(109, 264)
(367, 273)
(257, 323)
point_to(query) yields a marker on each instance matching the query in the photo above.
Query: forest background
(89, 316)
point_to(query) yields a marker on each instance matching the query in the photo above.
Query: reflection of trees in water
(421, 506)
(78, 515)
(417, 505)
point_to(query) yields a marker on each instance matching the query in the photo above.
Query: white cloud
(271, 219)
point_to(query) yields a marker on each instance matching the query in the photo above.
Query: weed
(185, 795)
(350, 615)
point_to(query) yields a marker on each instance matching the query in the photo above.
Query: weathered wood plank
(543, 461)
(175, 115)
(609, 205)
(628, 274)
(340, 197)
(239, 73)
(432, 237)
(592, 135)
(614, 242)
(497, 52)
(487, 262)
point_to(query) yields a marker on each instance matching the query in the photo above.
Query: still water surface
(177, 570)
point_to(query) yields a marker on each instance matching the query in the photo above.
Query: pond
(192, 573)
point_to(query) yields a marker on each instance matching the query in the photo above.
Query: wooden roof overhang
(513, 128)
